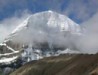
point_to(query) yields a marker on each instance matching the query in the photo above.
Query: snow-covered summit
(49, 19)
(43, 26)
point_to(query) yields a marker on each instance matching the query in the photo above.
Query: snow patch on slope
(7, 60)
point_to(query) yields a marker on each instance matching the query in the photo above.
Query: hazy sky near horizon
(13, 12)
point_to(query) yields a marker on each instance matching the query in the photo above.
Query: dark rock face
(8, 68)
(13, 45)
(4, 49)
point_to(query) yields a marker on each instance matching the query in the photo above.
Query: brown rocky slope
(68, 64)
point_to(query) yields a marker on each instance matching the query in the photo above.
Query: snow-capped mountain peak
(43, 34)
(51, 19)
(43, 24)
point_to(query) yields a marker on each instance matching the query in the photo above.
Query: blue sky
(13, 12)
(77, 10)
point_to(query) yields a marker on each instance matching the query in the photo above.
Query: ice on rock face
(29, 54)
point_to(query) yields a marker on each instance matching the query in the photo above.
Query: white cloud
(82, 9)
(88, 42)
(8, 24)
(91, 25)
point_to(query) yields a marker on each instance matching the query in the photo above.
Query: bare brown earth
(75, 64)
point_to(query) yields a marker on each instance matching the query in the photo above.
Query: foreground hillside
(76, 64)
